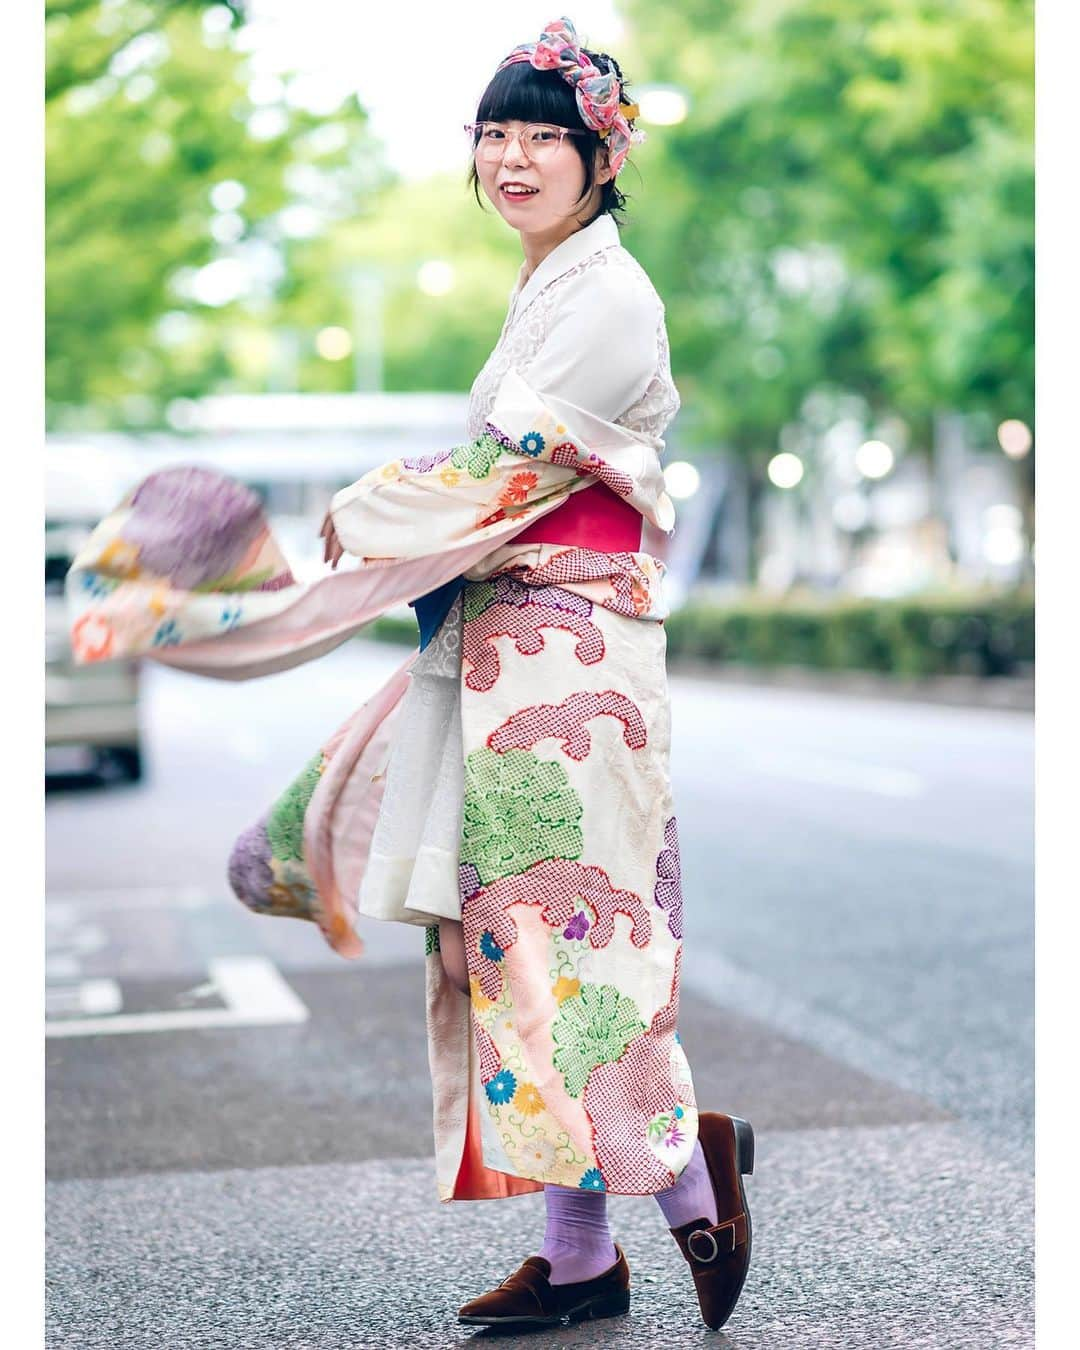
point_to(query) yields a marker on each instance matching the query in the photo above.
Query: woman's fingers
(333, 550)
(329, 535)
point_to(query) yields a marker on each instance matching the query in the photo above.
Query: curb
(1013, 693)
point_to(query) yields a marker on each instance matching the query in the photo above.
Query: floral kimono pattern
(572, 936)
(564, 1063)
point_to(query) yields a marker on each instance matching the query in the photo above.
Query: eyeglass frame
(563, 133)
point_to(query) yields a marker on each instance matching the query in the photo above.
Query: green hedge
(971, 633)
(392, 628)
(983, 633)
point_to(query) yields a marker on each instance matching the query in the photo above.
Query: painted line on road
(255, 994)
(86, 997)
(842, 773)
(60, 906)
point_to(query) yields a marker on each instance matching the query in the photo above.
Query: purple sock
(577, 1240)
(692, 1195)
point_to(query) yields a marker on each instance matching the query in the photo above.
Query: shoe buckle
(713, 1251)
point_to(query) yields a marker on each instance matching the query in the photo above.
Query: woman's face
(558, 179)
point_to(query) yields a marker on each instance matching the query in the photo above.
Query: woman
(512, 795)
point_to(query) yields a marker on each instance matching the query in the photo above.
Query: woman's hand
(332, 549)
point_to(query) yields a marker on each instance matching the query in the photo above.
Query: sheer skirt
(412, 872)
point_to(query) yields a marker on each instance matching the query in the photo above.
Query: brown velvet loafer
(719, 1254)
(529, 1298)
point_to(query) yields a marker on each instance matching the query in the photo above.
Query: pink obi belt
(592, 518)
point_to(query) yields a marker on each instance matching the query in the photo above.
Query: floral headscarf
(598, 93)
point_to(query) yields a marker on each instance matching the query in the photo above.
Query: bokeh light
(334, 344)
(663, 105)
(785, 470)
(874, 459)
(435, 277)
(681, 480)
(228, 195)
(1014, 437)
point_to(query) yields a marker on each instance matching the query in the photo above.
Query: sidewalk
(1016, 693)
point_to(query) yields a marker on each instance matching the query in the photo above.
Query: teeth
(519, 192)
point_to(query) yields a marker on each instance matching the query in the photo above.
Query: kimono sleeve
(600, 352)
(418, 507)
(596, 360)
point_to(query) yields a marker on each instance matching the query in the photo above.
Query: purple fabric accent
(577, 1239)
(249, 866)
(576, 929)
(668, 891)
(192, 524)
(692, 1196)
(468, 881)
(493, 431)
(510, 591)
(425, 463)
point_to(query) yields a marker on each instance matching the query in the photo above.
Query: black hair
(520, 92)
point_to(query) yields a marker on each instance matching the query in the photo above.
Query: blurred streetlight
(681, 480)
(874, 459)
(1014, 437)
(664, 105)
(785, 469)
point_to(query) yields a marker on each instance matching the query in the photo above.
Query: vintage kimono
(540, 803)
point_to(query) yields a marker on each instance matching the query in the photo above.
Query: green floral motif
(593, 1027)
(478, 456)
(431, 939)
(518, 811)
(479, 595)
(285, 827)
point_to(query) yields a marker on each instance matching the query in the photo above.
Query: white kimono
(588, 327)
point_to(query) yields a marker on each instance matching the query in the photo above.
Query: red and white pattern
(565, 721)
(523, 623)
(560, 886)
(640, 1080)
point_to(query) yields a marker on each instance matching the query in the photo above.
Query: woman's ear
(603, 171)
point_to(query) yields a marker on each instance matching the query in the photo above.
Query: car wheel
(121, 764)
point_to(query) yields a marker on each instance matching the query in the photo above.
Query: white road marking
(93, 997)
(65, 906)
(843, 773)
(254, 991)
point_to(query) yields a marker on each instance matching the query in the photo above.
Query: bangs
(520, 93)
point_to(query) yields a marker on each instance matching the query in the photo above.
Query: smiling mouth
(517, 192)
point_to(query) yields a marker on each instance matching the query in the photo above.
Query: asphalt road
(240, 1154)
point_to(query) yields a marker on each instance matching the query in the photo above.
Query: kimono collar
(602, 233)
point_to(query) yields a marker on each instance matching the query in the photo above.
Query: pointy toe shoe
(529, 1298)
(719, 1254)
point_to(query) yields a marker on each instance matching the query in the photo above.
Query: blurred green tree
(848, 206)
(173, 199)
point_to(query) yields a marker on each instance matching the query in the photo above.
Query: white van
(91, 712)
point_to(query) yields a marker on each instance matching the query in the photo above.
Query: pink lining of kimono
(341, 816)
(475, 1180)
